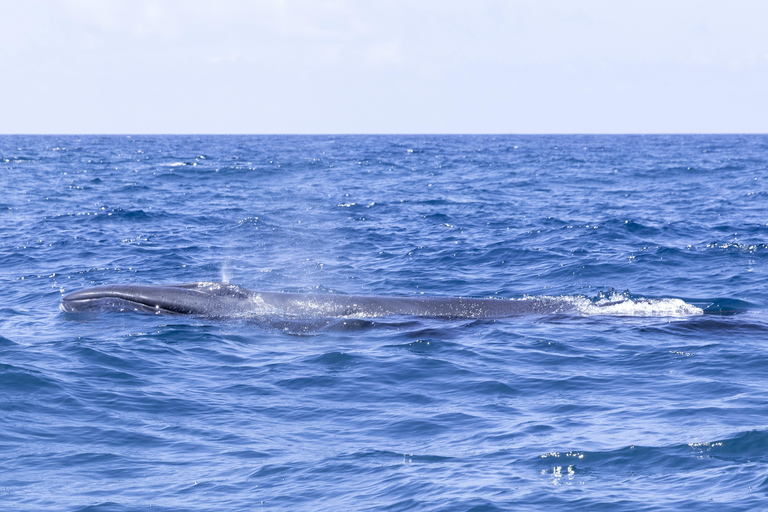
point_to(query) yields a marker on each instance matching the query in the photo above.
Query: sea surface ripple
(649, 395)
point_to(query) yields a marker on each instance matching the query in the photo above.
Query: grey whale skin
(223, 300)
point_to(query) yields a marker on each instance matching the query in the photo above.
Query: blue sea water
(650, 395)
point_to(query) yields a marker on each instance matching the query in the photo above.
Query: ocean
(648, 393)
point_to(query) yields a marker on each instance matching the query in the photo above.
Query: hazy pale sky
(386, 66)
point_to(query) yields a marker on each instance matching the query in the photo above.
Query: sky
(385, 66)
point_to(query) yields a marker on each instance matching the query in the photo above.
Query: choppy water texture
(648, 393)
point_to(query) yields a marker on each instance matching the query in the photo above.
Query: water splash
(614, 303)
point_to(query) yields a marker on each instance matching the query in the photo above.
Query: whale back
(215, 299)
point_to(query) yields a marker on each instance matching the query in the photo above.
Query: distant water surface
(649, 393)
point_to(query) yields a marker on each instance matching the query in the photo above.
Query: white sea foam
(621, 305)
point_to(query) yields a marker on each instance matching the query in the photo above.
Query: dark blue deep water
(651, 394)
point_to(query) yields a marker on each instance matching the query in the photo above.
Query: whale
(224, 300)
